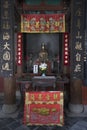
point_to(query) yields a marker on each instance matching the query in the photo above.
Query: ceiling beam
(43, 6)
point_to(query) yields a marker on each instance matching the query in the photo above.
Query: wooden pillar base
(9, 90)
(76, 108)
(76, 91)
(75, 105)
(9, 108)
(9, 111)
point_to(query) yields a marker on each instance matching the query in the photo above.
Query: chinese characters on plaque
(66, 49)
(19, 49)
(44, 108)
(6, 38)
(77, 39)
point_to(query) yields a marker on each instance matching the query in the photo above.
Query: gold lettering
(78, 36)
(55, 96)
(6, 66)
(79, 12)
(6, 55)
(6, 36)
(5, 15)
(6, 46)
(78, 57)
(48, 97)
(78, 46)
(78, 24)
(5, 4)
(40, 96)
(6, 25)
(77, 68)
(32, 97)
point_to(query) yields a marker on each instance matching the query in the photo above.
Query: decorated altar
(44, 108)
(43, 103)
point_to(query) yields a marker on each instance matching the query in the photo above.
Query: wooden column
(7, 57)
(77, 55)
(75, 105)
(10, 90)
(19, 71)
(76, 91)
(9, 108)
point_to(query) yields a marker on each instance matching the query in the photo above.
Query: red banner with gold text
(43, 108)
(42, 23)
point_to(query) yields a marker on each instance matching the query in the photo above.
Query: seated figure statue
(43, 55)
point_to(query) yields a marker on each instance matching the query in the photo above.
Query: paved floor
(71, 123)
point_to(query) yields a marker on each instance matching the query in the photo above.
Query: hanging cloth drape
(42, 23)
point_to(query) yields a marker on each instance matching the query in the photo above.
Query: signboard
(42, 23)
(7, 38)
(77, 39)
(43, 108)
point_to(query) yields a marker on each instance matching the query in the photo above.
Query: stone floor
(71, 123)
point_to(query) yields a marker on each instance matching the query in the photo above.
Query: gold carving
(43, 55)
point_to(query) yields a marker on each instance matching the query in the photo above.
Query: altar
(43, 82)
(22, 49)
(44, 108)
(40, 83)
(42, 96)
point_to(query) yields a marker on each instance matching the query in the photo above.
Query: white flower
(43, 66)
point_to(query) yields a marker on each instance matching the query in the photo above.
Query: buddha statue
(43, 55)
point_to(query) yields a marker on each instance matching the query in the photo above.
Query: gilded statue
(43, 54)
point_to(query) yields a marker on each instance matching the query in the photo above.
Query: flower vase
(43, 68)
(43, 74)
